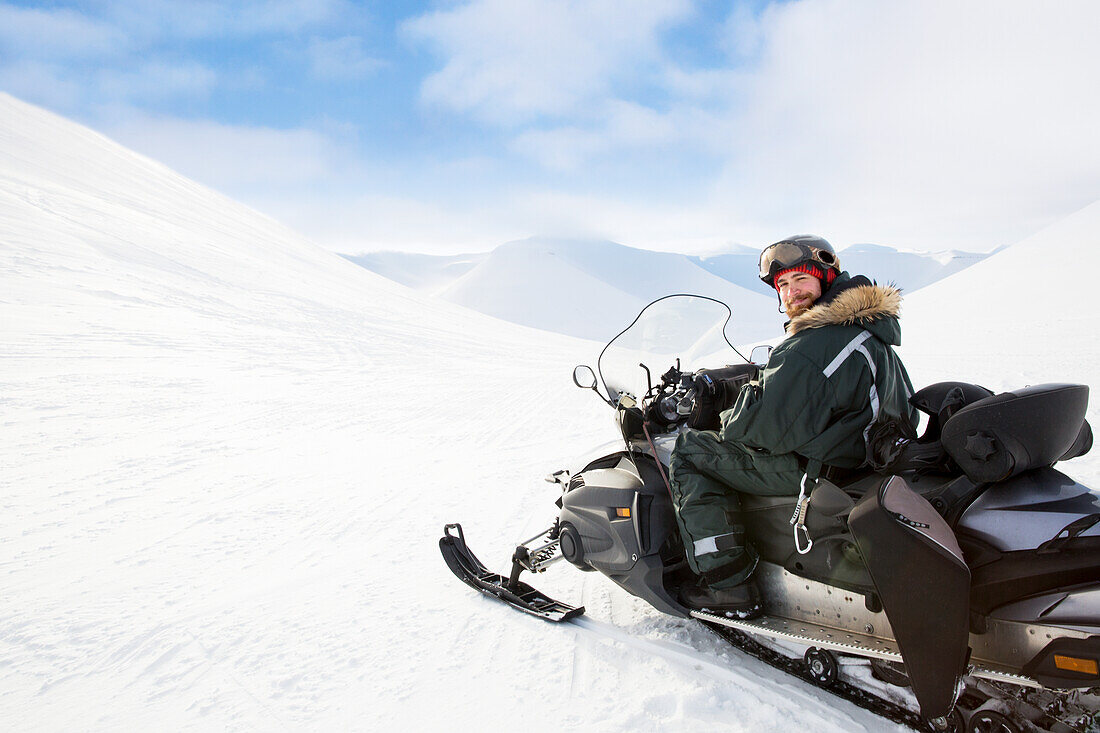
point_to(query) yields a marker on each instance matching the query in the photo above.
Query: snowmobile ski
(515, 593)
(523, 597)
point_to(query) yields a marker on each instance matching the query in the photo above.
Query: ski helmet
(802, 252)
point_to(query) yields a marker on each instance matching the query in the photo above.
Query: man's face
(798, 291)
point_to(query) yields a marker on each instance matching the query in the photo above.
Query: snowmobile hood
(855, 302)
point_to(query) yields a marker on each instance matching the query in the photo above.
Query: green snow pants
(706, 475)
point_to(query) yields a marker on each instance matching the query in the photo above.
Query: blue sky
(460, 124)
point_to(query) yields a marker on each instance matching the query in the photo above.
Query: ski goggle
(782, 255)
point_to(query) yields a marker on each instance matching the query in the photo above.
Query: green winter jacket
(822, 387)
(825, 383)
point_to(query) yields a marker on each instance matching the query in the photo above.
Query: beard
(796, 308)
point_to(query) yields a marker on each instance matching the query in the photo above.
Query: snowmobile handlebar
(673, 401)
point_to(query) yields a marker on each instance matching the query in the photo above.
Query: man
(834, 373)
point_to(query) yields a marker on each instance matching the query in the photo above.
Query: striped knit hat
(810, 268)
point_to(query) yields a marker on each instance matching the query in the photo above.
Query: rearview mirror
(584, 377)
(760, 354)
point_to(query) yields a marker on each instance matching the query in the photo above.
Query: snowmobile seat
(985, 437)
(1004, 435)
(941, 400)
(893, 446)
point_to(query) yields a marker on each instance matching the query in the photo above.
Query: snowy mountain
(556, 285)
(591, 289)
(911, 271)
(908, 270)
(228, 455)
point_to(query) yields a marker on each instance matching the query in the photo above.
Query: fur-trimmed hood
(873, 307)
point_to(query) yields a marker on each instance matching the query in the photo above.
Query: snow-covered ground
(228, 456)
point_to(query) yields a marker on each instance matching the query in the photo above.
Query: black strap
(836, 474)
(744, 561)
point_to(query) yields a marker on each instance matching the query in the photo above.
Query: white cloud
(240, 160)
(34, 33)
(376, 221)
(927, 124)
(341, 58)
(741, 34)
(151, 19)
(115, 52)
(42, 83)
(80, 92)
(653, 224)
(917, 123)
(110, 29)
(156, 80)
(622, 125)
(507, 61)
(436, 223)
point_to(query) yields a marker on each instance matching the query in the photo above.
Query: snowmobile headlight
(623, 512)
(1076, 664)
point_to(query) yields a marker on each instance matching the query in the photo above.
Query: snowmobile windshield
(691, 328)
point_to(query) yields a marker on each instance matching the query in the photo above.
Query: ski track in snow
(228, 458)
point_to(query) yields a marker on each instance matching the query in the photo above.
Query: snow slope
(427, 273)
(1023, 316)
(1026, 315)
(228, 455)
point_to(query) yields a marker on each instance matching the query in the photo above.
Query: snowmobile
(953, 583)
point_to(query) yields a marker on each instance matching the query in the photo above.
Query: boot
(739, 601)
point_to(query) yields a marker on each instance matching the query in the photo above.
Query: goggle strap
(770, 257)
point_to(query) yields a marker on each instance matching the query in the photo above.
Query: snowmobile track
(844, 690)
(472, 572)
(792, 666)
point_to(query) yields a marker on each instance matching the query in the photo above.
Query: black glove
(710, 398)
